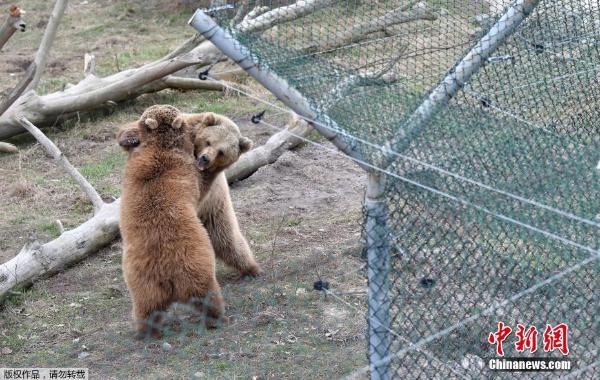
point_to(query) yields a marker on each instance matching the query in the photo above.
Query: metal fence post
(378, 264)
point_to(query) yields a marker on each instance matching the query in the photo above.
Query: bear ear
(151, 123)
(245, 144)
(178, 122)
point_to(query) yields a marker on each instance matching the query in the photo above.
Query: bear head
(218, 143)
(164, 126)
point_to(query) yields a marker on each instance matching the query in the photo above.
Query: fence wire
(492, 201)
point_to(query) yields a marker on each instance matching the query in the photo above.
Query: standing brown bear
(167, 255)
(216, 139)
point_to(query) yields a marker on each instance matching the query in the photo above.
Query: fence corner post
(378, 269)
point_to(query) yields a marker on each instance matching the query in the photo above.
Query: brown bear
(167, 254)
(213, 133)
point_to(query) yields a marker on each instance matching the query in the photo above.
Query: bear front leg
(128, 136)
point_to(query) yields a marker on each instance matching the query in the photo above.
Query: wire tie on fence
(485, 101)
(501, 58)
(212, 10)
(321, 285)
(539, 48)
(203, 75)
(258, 117)
(427, 283)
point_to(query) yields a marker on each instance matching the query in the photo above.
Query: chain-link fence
(477, 121)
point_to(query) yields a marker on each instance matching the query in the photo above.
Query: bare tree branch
(186, 46)
(282, 14)
(254, 13)
(42, 54)
(53, 151)
(8, 148)
(94, 92)
(358, 32)
(89, 64)
(11, 24)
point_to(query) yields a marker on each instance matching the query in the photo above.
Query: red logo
(499, 336)
(527, 339)
(555, 338)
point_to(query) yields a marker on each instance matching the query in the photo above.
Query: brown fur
(215, 210)
(167, 254)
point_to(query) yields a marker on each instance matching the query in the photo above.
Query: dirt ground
(300, 215)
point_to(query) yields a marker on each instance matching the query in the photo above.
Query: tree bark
(42, 53)
(11, 24)
(270, 151)
(8, 148)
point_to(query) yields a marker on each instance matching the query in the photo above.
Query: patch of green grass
(94, 31)
(98, 170)
(39, 181)
(293, 222)
(51, 229)
(132, 57)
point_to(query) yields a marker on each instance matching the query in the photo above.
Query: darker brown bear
(167, 255)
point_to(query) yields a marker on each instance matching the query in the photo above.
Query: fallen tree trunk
(94, 92)
(359, 32)
(36, 260)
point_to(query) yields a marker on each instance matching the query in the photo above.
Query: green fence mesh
(493, 205)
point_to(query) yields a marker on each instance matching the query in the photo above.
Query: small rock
(83, 355)
(74, 304)
(6, 351)
(167, 346)
(76, 340)
(199, 374)
(300, 291)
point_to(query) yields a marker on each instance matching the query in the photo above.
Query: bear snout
(202, 162)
